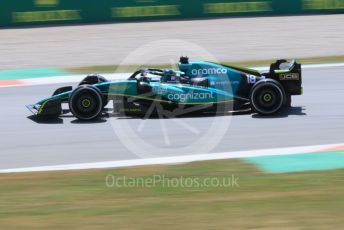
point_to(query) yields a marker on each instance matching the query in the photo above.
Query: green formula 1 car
(197, 86)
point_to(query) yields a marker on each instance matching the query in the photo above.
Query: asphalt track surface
(317, 117)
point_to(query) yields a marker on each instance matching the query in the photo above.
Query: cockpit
(158, 75)
(191, 73)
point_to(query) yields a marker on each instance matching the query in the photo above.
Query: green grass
(81, 199)
(131, 68)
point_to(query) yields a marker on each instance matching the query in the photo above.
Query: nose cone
(33, 108)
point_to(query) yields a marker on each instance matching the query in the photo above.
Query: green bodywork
(223, 84)
(203, 83)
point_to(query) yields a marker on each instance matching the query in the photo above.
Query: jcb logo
(289, 76)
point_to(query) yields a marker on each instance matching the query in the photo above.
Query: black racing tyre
(267, 97)
(86, 102)
(93, 79)
(287, 103)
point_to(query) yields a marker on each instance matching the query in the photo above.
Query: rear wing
(289, 74)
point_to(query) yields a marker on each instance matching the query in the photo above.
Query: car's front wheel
(267, 97)
(86, 102)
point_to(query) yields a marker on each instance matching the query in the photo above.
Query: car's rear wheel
(86, 102)
(267, 97)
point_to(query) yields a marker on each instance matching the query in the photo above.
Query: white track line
(309, 66)
(64, 79)
(72, 79)
(118, 76)
(175, 159)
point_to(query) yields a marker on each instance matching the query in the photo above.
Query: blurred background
(88, 33)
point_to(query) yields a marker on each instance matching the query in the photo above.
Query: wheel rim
(86, 103)
(267, 98)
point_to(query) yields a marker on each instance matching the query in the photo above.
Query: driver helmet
(170, 76)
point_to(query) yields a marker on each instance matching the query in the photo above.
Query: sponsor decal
(46, 16)
(251, 79)
(46, 3)
(223, 83)
(145, 11)
(190, 96)
(209, 71)
(130, 110)
(159, 90)
(289, 76)
(237, 7)
(323, 4)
